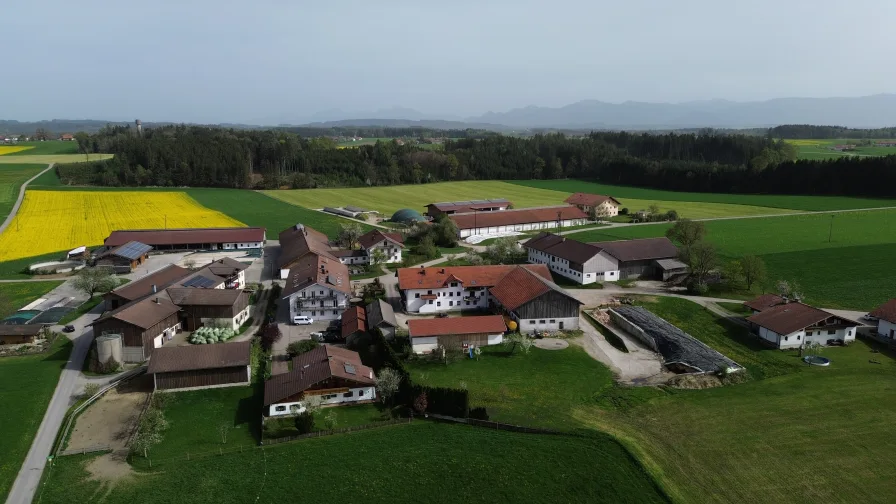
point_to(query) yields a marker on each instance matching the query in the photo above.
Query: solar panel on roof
(199, 282)
(133, 250)
(349, 369)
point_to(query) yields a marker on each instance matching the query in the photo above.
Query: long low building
(587, 263)
(428, 334)
(790, 324)
(201, 366)
(233, 238)
(524, 219)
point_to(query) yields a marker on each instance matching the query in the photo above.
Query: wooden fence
(84, 451)
(488, 424)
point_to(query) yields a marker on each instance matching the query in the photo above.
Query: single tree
(753, 269)
(93, 280)
(304, 422)
(653, 209)
(592, 213)
(387, 382)
(330, 421)
(427, 248)
(687, 233)
(349, 234)
(270, 334)
(702, 260)
(420, 403)
(378, 257)
(733, 273)
(144, 441)
(672, 216)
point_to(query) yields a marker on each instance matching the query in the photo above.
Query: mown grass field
(804, 203)
(46, 159)
(12, 177)
(854, 270)
(810, 435)
(26, 385)
(389, 199)
(48, 147)
(422, 462)
(821, 149)
(13, 296)
(58, 220)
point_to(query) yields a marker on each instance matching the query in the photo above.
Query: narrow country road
(15, 208)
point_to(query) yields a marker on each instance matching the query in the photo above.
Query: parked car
(302, 320)
(68, 328)
(442, 315)
(318, 337)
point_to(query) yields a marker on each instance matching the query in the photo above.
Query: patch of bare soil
(110, 420)
(695, 381)
(110, 470)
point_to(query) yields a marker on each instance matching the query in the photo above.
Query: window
(429, 302)
(450, 303)
(361, 393)
(280, 409)
(849, 333)
(321, 293)
(313, 313)
(334, 312)
(439, 303)
(348, 394)
(552, 321)
(832, 331)
(808, 333)
(541, 321)
(531, 321)
(786, 338)
(454, 284)
(468, 303)
(429, 292)
(417, 295)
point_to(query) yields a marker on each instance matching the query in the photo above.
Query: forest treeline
(708, 162)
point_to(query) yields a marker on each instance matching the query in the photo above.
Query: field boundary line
(18, 204)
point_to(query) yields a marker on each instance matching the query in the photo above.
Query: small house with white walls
(374, 245)
(886, 319)
(791, 324)
(334, 374)
(604, 206)
(461, 332)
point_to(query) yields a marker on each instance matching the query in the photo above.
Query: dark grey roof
(20, 330)
(563, 247)
(132, 250)
(380, 312)
(351, 208)
(640, 249)
(675, 345)
(670, 264)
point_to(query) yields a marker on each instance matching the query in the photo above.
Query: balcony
(321, 302)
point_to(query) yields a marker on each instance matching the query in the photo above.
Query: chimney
(156, 300)
(154, 289)
(442, 270)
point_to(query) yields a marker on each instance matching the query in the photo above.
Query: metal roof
(132, 250)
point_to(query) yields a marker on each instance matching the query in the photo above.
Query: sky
(270, 62)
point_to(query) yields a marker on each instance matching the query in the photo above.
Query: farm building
(201, 366)
(144, 325)
(525, 292)
(886, 319)
(524, 219)
(373, 243)
(236, 238)
(299, 240)
(587, 263)
(317, 287)
(459, 332)
(20, 334)
(67, 137)
(354, 323)
(358, 320)
(206, 306)
(843, 147)
(791, 324)
(334, 374)
(455, 207)
(604, 206)
(125, 258)
(232, 271)
(144, 286)
(886, 143)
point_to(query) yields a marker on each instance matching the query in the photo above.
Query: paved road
(15, 208)
(70, 383)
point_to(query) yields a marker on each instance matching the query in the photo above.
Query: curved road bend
(15, 208)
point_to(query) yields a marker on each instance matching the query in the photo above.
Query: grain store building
(201, 366)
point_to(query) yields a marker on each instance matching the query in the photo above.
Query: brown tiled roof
(314, 367)
(436, 277)
(764, 302)
(790, 317)
(560, 246)
(485, 324)
(521, 286)
(189, 358)
(20, 330)
(886, 311)
(639, 250)
(226, 267)
(190, 280)
(144, 313)
(205, 297)
(156, 237)
(143, 286)
(586, 199)
(511, 217)
(348, 253)
(317, 269)
(466, 206)
(353, 320)
(371, 238)
(299, 240)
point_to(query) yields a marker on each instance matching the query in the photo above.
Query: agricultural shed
(429, 334)
(144, 286)
(201, 366)
(125, 258)
(233, 238)
(456, 207)
(525, 219)
(18, 334)
(681, 352)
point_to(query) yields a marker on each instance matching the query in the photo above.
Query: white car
(302, 320)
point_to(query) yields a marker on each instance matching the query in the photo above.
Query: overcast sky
(284, 61)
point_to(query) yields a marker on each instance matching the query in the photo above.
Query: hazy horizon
(279, 62)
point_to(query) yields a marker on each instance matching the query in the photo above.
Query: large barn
(235, 238)
(201, 366)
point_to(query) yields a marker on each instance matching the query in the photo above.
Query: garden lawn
(12, 176)
(538, 389)
(26, 385)
(811, 436)
(13, 296)
(422, 462)
(852, 271)
(389, 199)
(344, 416)
(805, 203)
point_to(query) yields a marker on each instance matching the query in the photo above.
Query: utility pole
(831, 231)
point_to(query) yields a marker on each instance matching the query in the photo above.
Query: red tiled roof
(156, 237)
(512, 217)
(371, 238)
(314, 367)
(353, 320)
(764, 302)
(790, 317)
(436, 277)
(586, 199)
(518, 288)
(487, 324)
(886, 311)
(189, 358)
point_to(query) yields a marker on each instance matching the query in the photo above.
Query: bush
(91, 389)
(479, 413)
(443, 401)
(304, 422)
(697, 288)
(300, 347)
(270, 334)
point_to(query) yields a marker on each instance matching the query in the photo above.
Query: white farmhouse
(317, 287)
(375, 245)
(791, 324)
(886, 319)
(604, 206)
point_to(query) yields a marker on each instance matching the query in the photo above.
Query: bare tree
(387, 382)
(93, 280)
(753, 270)
(190, 264)
(687, 233)
(223, 430)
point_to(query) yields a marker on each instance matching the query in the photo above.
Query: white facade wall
(547, 324)
(822, 335)
(531, 226)
(166, 335)
(447, 299)
(334, 303)
(427, 344)
(560, 266)
(391, 251)
(235, 322)
(241, 246)
(887, 329)
(354, 260)
(356, 394)
(798, 338)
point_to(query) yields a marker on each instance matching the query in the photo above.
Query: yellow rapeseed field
(9, 149)
(50, 221)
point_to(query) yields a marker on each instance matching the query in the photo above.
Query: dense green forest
(709, 162)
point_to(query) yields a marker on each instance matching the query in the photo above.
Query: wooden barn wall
(201, 378)
(551, 304)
